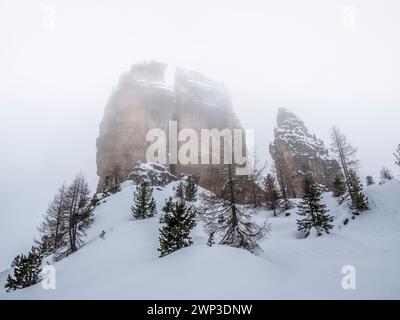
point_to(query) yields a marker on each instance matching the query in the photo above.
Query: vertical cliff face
(295, 151)
(143, 101)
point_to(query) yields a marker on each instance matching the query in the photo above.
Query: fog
(331, 62)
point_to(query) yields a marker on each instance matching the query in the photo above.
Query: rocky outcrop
(153, 173)
(295, 152)
(143, 101)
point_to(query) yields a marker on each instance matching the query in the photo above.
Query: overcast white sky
(331, 62)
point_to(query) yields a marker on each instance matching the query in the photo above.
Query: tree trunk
(60, 209)
(232, 197)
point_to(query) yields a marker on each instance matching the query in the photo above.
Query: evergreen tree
(339, 187)
(314, 212)
(187, 190)
(386, 174)
(191, 189)
(26, 270)
(167, 208)
(179, 192)
(179, 221)
(94, 201)
(359, 201)
(210, 241)
(369, 181)
(45, 245)
(284, 182)
(225, 217)
(272, 197)
(144, 205)
(397, 155)
(86, 217)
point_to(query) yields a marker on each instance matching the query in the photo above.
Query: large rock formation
(142, 101)
(296, 151)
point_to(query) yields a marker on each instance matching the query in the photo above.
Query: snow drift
(125, 264)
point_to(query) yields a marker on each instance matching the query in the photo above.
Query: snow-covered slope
(125, 265)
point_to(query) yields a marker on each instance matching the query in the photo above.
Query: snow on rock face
(296, 151)
(125, 264)
(153, 173)
(292, 130)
